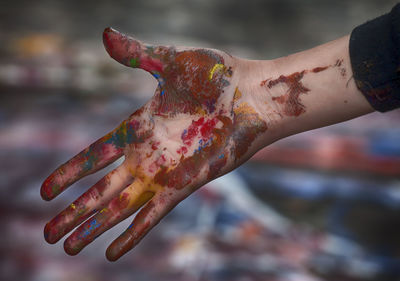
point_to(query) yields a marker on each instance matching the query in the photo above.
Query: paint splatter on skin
(342, 69)
(290, 101)
(197, 126)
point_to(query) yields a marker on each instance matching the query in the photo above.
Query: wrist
(306, 90)
(253, 75)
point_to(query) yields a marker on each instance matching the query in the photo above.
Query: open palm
(196, 127)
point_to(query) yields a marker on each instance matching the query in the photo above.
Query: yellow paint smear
(142, 189)
(244, 108)
(73, 206)
(216, 67)
(200, 111)
(142, 199)
(237, 95)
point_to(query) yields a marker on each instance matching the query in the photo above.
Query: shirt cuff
(374, 54)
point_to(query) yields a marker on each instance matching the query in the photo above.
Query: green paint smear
(56, 189)
(81, 211)
(126, 134)
(134, 62)
(118, 138)
(91, 159)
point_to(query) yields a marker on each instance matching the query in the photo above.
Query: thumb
(131, 52)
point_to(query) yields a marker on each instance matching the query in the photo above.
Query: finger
(149, 216)
(86, 205)
(118, 209)
(95, 157)
(133, 53)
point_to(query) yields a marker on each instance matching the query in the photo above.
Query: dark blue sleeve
(374, 53)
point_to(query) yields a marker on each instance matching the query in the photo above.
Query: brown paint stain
(292, 105)
(291, 99)
(342, 69)
(186, 86)
(339, 62)
(217, 165)
(248, 125)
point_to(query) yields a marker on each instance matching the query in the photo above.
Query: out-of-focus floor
(322, 205)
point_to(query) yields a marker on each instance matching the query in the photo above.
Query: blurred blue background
(322, 205)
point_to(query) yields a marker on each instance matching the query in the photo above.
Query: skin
(210, 113)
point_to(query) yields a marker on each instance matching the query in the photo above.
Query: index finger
(93, 158)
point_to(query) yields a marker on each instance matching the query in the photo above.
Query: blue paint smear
(184, 134)
(119, 139)
(162, 92)
(90, 228)
(211, 105)
(221, 156)
(87, 165)
(91, 159)
(203, 144)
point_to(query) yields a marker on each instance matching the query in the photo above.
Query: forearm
(309, 89)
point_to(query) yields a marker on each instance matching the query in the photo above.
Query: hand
(202, 122)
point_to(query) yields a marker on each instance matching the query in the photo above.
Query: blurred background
(322, 205)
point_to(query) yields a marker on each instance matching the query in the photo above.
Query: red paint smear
(107, 40)
(119, 203)
(161, 160)
(182, 150)
(154, 146)
(151, 65)
(46, 190)
(319, 69)
(207, 129)
(156, 164)
(51, 232)
(191, 132)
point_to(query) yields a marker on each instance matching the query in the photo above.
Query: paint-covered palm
(197, 127)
